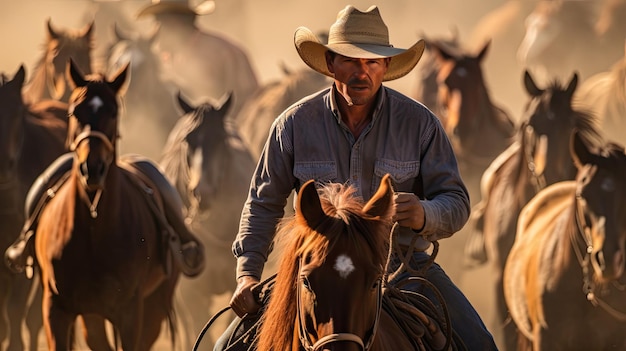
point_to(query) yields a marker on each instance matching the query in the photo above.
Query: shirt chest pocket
(321, 171)
(403, 173)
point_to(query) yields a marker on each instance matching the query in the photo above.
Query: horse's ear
(380, 203)
(88, 32)
(580, 152)
(51, 32)
(483, 52)
(571, 87)
(227, 103)
(19, 76)
(74, 75)
(119, 83)
(309, 206)
(184, 105)
(441, 53)
(530, 85)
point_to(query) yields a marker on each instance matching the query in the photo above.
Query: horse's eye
(376, 284)
(306, 283)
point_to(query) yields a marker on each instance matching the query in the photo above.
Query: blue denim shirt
(309, 141)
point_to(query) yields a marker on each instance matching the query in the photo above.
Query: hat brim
(161, 8)
(312, 52)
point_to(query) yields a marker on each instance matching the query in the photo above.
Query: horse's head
(60, 47)
(462, 90)
(206, 141)
(12, 114)
(601, 197)
(92, 131)
(341, 266)
(135, 50)
(550, 119)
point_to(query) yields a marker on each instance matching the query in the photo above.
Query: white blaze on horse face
(344, 266)
(96, 103)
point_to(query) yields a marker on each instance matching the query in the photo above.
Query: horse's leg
(57, 323)
(5, 283)
(130, 324)
(17, 310)
(158, 308)
(34, 319)
(94, 329)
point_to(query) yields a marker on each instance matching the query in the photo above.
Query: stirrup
(182, 254)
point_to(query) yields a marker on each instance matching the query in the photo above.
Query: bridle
(584, 258)
(87, 134)
(307, 343)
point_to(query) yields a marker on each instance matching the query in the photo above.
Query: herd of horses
(547, 194)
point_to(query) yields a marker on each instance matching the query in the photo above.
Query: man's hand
(408, 211)
(243, 300)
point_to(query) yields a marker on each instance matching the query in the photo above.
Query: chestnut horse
(539, 157)
(564, 277)
(48, 80)
(331, 290)
(99, 245)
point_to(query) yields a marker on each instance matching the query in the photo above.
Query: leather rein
(92, 204)
(584, 258)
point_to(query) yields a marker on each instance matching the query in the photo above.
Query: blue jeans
(464, 319)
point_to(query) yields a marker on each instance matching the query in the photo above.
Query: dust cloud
(265, 28)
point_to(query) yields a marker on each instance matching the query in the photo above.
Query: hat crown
(356, 27)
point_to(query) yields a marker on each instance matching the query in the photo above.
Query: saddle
(50, 181)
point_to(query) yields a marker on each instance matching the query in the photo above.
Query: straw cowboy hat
(178, 7)
(360, 35)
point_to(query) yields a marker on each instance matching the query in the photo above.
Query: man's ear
(329, 61)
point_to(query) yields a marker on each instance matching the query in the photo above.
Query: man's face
(358, 80)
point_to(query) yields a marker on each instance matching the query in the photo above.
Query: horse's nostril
(102, 169)
(84, 169)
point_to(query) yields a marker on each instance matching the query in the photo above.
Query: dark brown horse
(31, 137)
(331, 291)
(48, 80)
(99, 245)
(208, 163)
(539, 157)
(478, 129)
(564, 277)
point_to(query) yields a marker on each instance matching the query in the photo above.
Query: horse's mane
(296, 239)
(174, 157)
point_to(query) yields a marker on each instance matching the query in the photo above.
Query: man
(200, 63)
(356, 131)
